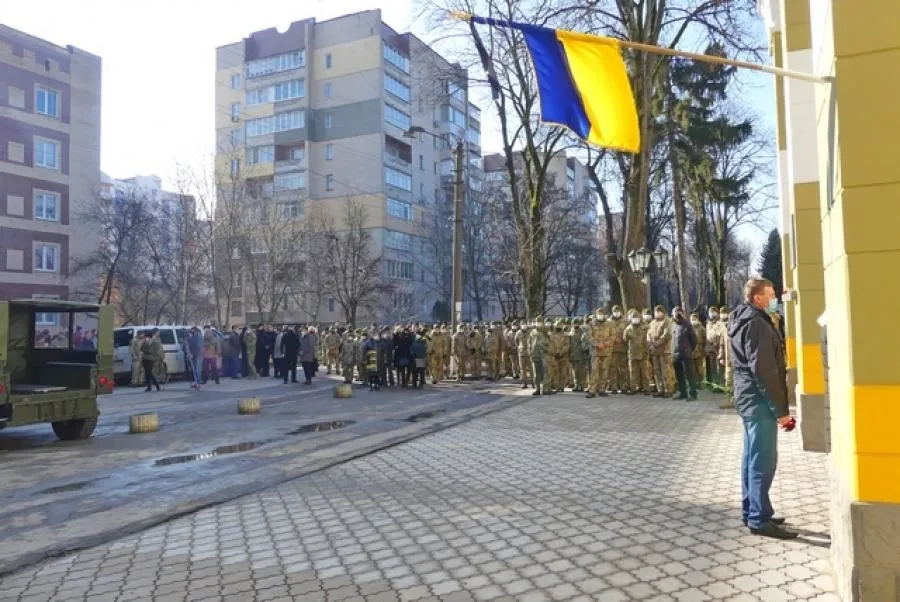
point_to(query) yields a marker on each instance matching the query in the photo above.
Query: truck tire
(77, 428)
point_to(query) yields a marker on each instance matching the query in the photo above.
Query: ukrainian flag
(583, 84)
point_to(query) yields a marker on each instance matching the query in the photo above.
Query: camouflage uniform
(618, 367)
(638, 358)
(350, 356)
(436, 355)
(493, 351)
(725, 358)
(332, 343)
(538, 341)
(510, 353)
(160, 371)
(461, 351)
(475, 345)
(137, 368)
(602, 336)
(557, 350)
(250, 346)
(580, 356)
(659, 341)
(524, 359)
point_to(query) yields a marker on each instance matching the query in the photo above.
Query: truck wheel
(72, 430)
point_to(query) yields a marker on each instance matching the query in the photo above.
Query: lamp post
(642, 263)
(458, 196)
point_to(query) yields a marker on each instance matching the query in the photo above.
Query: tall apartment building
(319, 112)
(49, 163)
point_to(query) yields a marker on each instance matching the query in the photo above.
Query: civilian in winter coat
(761, 398)
(290, 350)
(683, 343)
(403, 357)
(278, 354)
(309, 342)
(194, 347)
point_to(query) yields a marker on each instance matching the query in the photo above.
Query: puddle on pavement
(219, 451)
(65, 488)
(424, 415)
(317, 427)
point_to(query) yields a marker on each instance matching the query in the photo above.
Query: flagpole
(706, 58)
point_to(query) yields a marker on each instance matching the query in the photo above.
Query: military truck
(55, 358)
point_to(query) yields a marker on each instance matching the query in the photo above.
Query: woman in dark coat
(403, 356)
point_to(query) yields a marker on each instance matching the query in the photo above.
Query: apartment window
(290, 181)
(329, 152)
(276, 64)
(435, 167)
(328, 61)
(327, 89)
(235, 137)
(46, 153)
(259, 96)
(422, 162)
(397, 240)
(329, 182)
(399, 269)
(46, 101)
(456, 91)
(235, 167)
(46, 206)
(46, 257)
(422, 191)
(396, 87)
(296, 88)
(473, 136)
(330, 304)
(456, 117)
(399, 210)
(236, 81)
(396, 117)
(46, 318)
(261, 154)
(237, 309)
(329, 121)
(394, 57)
(289, 211)
(281, 122)
(403, 301)
(257, 246)
(398, 179)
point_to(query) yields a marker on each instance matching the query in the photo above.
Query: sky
(158, 97)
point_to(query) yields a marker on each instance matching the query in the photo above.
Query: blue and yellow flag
(582, 82)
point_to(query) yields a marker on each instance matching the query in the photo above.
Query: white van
(172, 338)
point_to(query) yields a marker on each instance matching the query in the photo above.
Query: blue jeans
(758, 468)
(196, 370)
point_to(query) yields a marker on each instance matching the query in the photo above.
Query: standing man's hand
(787, 422)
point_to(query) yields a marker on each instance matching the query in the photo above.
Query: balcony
(397, 163)
(289, 165)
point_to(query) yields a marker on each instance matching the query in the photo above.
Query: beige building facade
(317, 115)
(839, 185)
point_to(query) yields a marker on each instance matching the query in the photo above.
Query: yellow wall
(862, 248)
(350, 57)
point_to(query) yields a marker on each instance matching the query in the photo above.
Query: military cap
(660, 308)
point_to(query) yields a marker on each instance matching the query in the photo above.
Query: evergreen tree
(440, 311)
(769, 265)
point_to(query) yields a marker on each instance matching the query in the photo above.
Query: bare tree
(123, 222)
(353, 271)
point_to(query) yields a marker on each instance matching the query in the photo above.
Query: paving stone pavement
(562, 498)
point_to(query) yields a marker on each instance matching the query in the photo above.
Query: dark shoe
(679, 398)
(775, 520)
(603, 394)
(590, 395)
(306, 382)
(148, 390)
(285, 381)
(692, 397)
(536, 392)
(774, 531)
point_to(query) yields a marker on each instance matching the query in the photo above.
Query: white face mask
(376, 337)
(648, 318)
(601, 318)
(695, 322)
(617, 315)
(660, 315)
(725, 317)
(635, 321)
(713, 315)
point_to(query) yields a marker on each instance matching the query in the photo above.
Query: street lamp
(642, 263)
(458, 195)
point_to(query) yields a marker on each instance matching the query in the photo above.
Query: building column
(858, 126)
(805, 226)
(785, 200)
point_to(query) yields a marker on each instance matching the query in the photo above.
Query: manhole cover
(317, 427)
(219, 451)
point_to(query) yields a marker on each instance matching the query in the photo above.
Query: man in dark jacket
(290, 348)
(761, 398)
(683, 342)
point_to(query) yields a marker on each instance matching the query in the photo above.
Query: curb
(338, 454)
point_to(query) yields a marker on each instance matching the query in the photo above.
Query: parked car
(171, 336)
